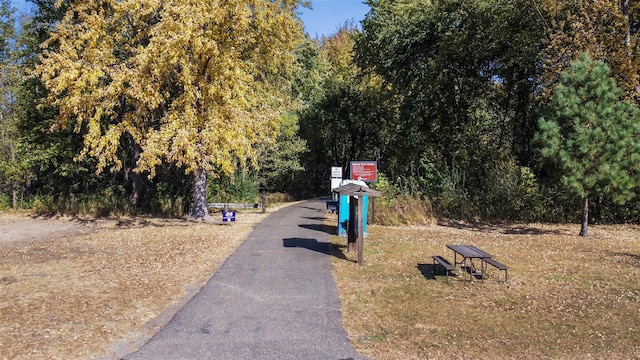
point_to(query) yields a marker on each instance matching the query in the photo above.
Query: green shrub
(5, 202)
(239, 188)
(99, 205)
(511, 193)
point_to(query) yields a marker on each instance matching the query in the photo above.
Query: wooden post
(360, 236)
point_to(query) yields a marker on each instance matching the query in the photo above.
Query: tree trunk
(14, 195)
(14, 192)
(136, 196)
(624, 6)
(585, 216)
(200, 211)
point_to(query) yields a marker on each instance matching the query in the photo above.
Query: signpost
(336, 177)
(336, 172)
(357, 210)
(366, 171)
(228, 216)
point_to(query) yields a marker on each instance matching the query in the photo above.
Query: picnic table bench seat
(498, 265)
(444, 263)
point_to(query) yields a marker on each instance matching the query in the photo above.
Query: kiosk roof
(356, 190)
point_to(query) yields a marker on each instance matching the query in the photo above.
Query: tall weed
(399, 205)
(403, 210)
(278, 198)
(97, 205)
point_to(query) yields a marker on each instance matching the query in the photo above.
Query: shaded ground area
(17, 230)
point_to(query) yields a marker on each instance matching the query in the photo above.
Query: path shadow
(313, 245)
(626, 257)
(310, 244)
(318, 218)
(429, 271)
(475, 275)
(504, 228)
(331, 230)
(338, 251)
(311, 208)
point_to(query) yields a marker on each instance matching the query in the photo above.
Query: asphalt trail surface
(274, 298)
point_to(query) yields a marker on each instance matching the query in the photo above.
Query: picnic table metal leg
(446, 272)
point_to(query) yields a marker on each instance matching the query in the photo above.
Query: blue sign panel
(228, 216)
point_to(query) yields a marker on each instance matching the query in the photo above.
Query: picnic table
(468, 254)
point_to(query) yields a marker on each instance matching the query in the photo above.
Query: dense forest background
(518, 110)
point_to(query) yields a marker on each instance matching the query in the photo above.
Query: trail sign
(336, 172)
(336, 177)
(228, 216)
(364, 170)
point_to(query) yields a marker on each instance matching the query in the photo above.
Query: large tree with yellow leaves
(609, 31)
(195, 83)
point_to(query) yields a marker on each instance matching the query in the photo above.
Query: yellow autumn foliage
(194, 83)
(603, 29)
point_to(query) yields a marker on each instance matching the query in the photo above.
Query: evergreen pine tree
(592, 135)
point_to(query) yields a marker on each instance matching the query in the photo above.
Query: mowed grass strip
(567, 296)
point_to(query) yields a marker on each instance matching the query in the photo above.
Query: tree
(606, 30)
(352, 117)
(591, 135)
(9, 80)
(280, 161)
(197, 84)
(464, 74)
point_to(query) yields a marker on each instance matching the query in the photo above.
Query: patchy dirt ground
(99, 288)
(18, 230)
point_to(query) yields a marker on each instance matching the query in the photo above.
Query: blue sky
(22, 5)
(326, 17)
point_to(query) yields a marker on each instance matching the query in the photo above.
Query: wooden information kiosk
(355, 230)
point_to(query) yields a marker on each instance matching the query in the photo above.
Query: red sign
(364, 170)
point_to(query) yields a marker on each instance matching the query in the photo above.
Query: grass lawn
(567, 297)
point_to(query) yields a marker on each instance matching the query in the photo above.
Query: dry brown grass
(402, 210)
(99, 294)
(568, 297)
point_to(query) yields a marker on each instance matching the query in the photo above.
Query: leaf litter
(567, 296)
(97, 286)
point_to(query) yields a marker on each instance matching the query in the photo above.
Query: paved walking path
(274, 298)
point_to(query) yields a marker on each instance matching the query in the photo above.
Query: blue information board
(228, 216)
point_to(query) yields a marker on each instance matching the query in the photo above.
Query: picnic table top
(469, 251)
